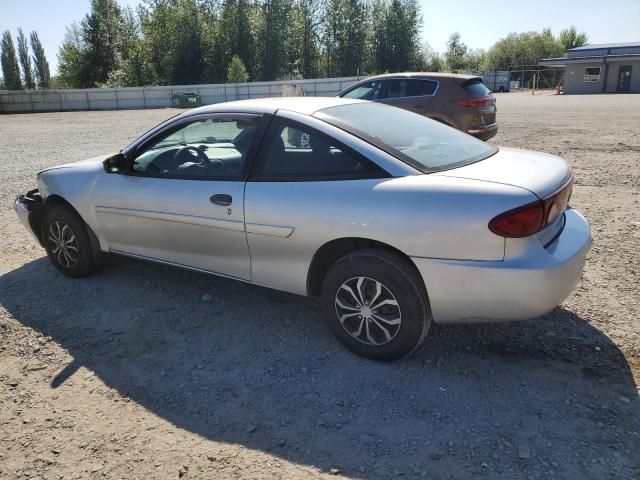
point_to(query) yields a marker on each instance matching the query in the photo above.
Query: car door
(300, 196)
(415, 95)
(182, 199)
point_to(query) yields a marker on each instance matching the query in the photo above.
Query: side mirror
(115, 164)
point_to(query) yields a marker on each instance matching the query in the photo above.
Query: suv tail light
(531, 218)
(475, 102)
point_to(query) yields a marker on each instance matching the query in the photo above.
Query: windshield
(423, 143)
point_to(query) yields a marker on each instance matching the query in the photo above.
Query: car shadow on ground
(241, 364)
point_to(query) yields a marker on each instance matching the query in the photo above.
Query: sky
(481, 23)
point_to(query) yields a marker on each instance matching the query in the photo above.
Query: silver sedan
(394, 220)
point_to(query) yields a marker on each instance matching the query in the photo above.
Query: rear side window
(294, 152)
(408, 87)
(476, 88)
(366, 91)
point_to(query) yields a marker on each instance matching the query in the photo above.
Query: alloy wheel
(368, 311)
(63, 244)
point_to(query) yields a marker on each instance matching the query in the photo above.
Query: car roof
(303, 105)
(457, 76)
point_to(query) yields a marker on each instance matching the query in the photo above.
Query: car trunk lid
(540, 173)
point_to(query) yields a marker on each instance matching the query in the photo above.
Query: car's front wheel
(376, 305)
(67, 242)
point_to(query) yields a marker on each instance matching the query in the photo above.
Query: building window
(592, 74)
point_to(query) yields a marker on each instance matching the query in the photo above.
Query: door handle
(221, 199)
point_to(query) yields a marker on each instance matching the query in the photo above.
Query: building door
(624, 79)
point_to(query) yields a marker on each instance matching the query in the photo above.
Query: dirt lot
(143, 371)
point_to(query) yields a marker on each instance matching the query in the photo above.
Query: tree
(303, 52)
(237, 33)
(344, 25)
(9, 60)
(94, 48)
(237, 73)
(431, 61)
(194, 41)
(273, 38)
(475, 60)
(136, 71)
(456, 53)
(394, 34)
(73, 67)
(102, 30)
(40, 64)
(570, 38)
(523, 49)
(25, 60)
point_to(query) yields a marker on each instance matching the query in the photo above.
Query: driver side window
(208, 148)
(367, 91)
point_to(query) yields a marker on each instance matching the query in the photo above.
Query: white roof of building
(597, 46)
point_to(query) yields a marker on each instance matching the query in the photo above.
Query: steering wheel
(200, 156)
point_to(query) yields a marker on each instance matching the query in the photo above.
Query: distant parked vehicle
(460, 101)
(496, 80)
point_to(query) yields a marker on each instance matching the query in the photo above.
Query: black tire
(76, 264)
(401, 282)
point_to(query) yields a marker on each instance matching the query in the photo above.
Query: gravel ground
(144, 371)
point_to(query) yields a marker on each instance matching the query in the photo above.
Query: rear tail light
(475, 102)
(531, 218)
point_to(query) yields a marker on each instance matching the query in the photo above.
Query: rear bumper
(28, 208)
(484, 132)
(515, 289)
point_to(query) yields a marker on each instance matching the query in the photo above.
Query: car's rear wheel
(67, 242)
(376, 305)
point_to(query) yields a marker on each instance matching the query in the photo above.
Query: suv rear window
(476, 88)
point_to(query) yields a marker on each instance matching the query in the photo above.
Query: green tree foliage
(9, 60)
(40, 63)
(455, 56)
(135, 68)
(95, 48)
(73, 67)
(395, 35)
(237, 73)
(475, 60)
(237, 33)
(25, 60)
(194, 41)
(430, 60)
(272, 45)
(523, 49)
(175, 38)
(344, 24)
(570, 38)
(102, 30)
(303, 52)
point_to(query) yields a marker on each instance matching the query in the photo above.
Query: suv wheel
(375, 304)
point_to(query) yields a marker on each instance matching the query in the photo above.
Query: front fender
(74, 183)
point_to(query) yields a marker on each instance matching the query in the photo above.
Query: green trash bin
(188, 100)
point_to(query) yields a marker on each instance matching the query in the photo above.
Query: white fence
(160, 97)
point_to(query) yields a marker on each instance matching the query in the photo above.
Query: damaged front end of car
(30, 208)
